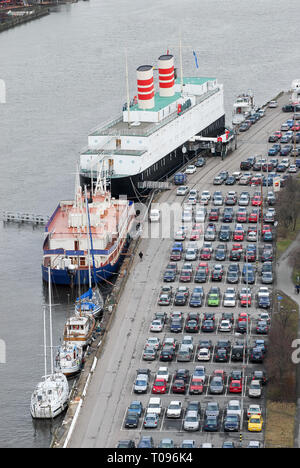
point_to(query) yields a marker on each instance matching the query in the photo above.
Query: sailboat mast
(50, 316)
(45, 341)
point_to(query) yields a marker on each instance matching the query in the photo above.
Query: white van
(154, 216)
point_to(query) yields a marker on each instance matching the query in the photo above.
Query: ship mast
(50, 317)
(127, 90)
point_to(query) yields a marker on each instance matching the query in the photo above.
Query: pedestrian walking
(298, 288)
(141, 255)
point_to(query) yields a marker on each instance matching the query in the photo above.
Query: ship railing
(108, 127)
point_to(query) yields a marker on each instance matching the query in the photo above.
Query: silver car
(191, 421)
(216, 386)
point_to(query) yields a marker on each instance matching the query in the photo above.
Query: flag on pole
(196, 59)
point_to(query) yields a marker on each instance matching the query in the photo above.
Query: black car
(228, 215)
(221, 355)
(169, 276)
(192, 326)
(288, 108)
(180, 299)
(241, 327)
(237, 353)
(200, 162)
(245, 165)
(256, 355)
(167, 355)
(231, 423)
(226, 344)
(208, 326)
(176, 325)
(182, 374)
(211, 424)
(126, 444)
(220, 254)
(231, 180)
(132, 421)
(225, 233)
(232, 277)
(228, 316)
(205, 344)
(200, 276)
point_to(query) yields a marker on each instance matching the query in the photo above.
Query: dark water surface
(65, 74)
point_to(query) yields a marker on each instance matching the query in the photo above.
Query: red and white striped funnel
(145, 86)
(166, 75)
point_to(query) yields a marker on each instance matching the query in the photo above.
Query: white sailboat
(51, 395)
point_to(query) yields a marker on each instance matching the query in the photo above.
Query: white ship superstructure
(242, 108)
(146, 142)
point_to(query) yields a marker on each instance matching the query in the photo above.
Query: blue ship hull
(64, 278)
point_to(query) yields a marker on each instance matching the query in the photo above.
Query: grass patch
(283, 242)
(280, 425)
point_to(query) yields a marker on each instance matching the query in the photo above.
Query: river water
(65, 74)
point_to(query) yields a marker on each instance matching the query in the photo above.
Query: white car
(203, 354)
(253, 410)
(285, 162)
(163, 373)
(244, 200)
(206, 194)
(191, 169)
(218, 201)
(254, 389)
(234, 407)
(194, 193)
(192, 200)
(273, 104)
(174, 409)
(261, 112)
(153, 342)
(254, 444)
(191, 421)
(251, 236)
(188, 342)
(237, 175)
(200, 216)
(156, 326)
(179, 236)
(225, 326)
(264, 316)
(292, 168)
(187, 216)
(169, 343)
(229, 300)
(284, 127)
(154, 406)
(191, 254)
(182, 190)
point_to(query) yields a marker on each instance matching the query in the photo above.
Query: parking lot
(103, 417)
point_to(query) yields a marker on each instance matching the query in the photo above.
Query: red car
(253, 217)
(243, 317)
(237, 247)
(179, 386)
(196, 386)
(205, 254)
(195, 234)
(256, 201)
(238, 235)
(295, 127)
(185, 276)
(159, 386)
(278, 134)
(235, 386)
(266, 228)
(244, 300)
(241, 217)
(250, 256)
(214, 215)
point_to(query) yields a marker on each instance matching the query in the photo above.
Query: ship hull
(64, 278)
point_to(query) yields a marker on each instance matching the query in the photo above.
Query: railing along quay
(19, 217)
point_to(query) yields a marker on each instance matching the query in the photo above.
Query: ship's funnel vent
(166, 75)
(145, 87)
